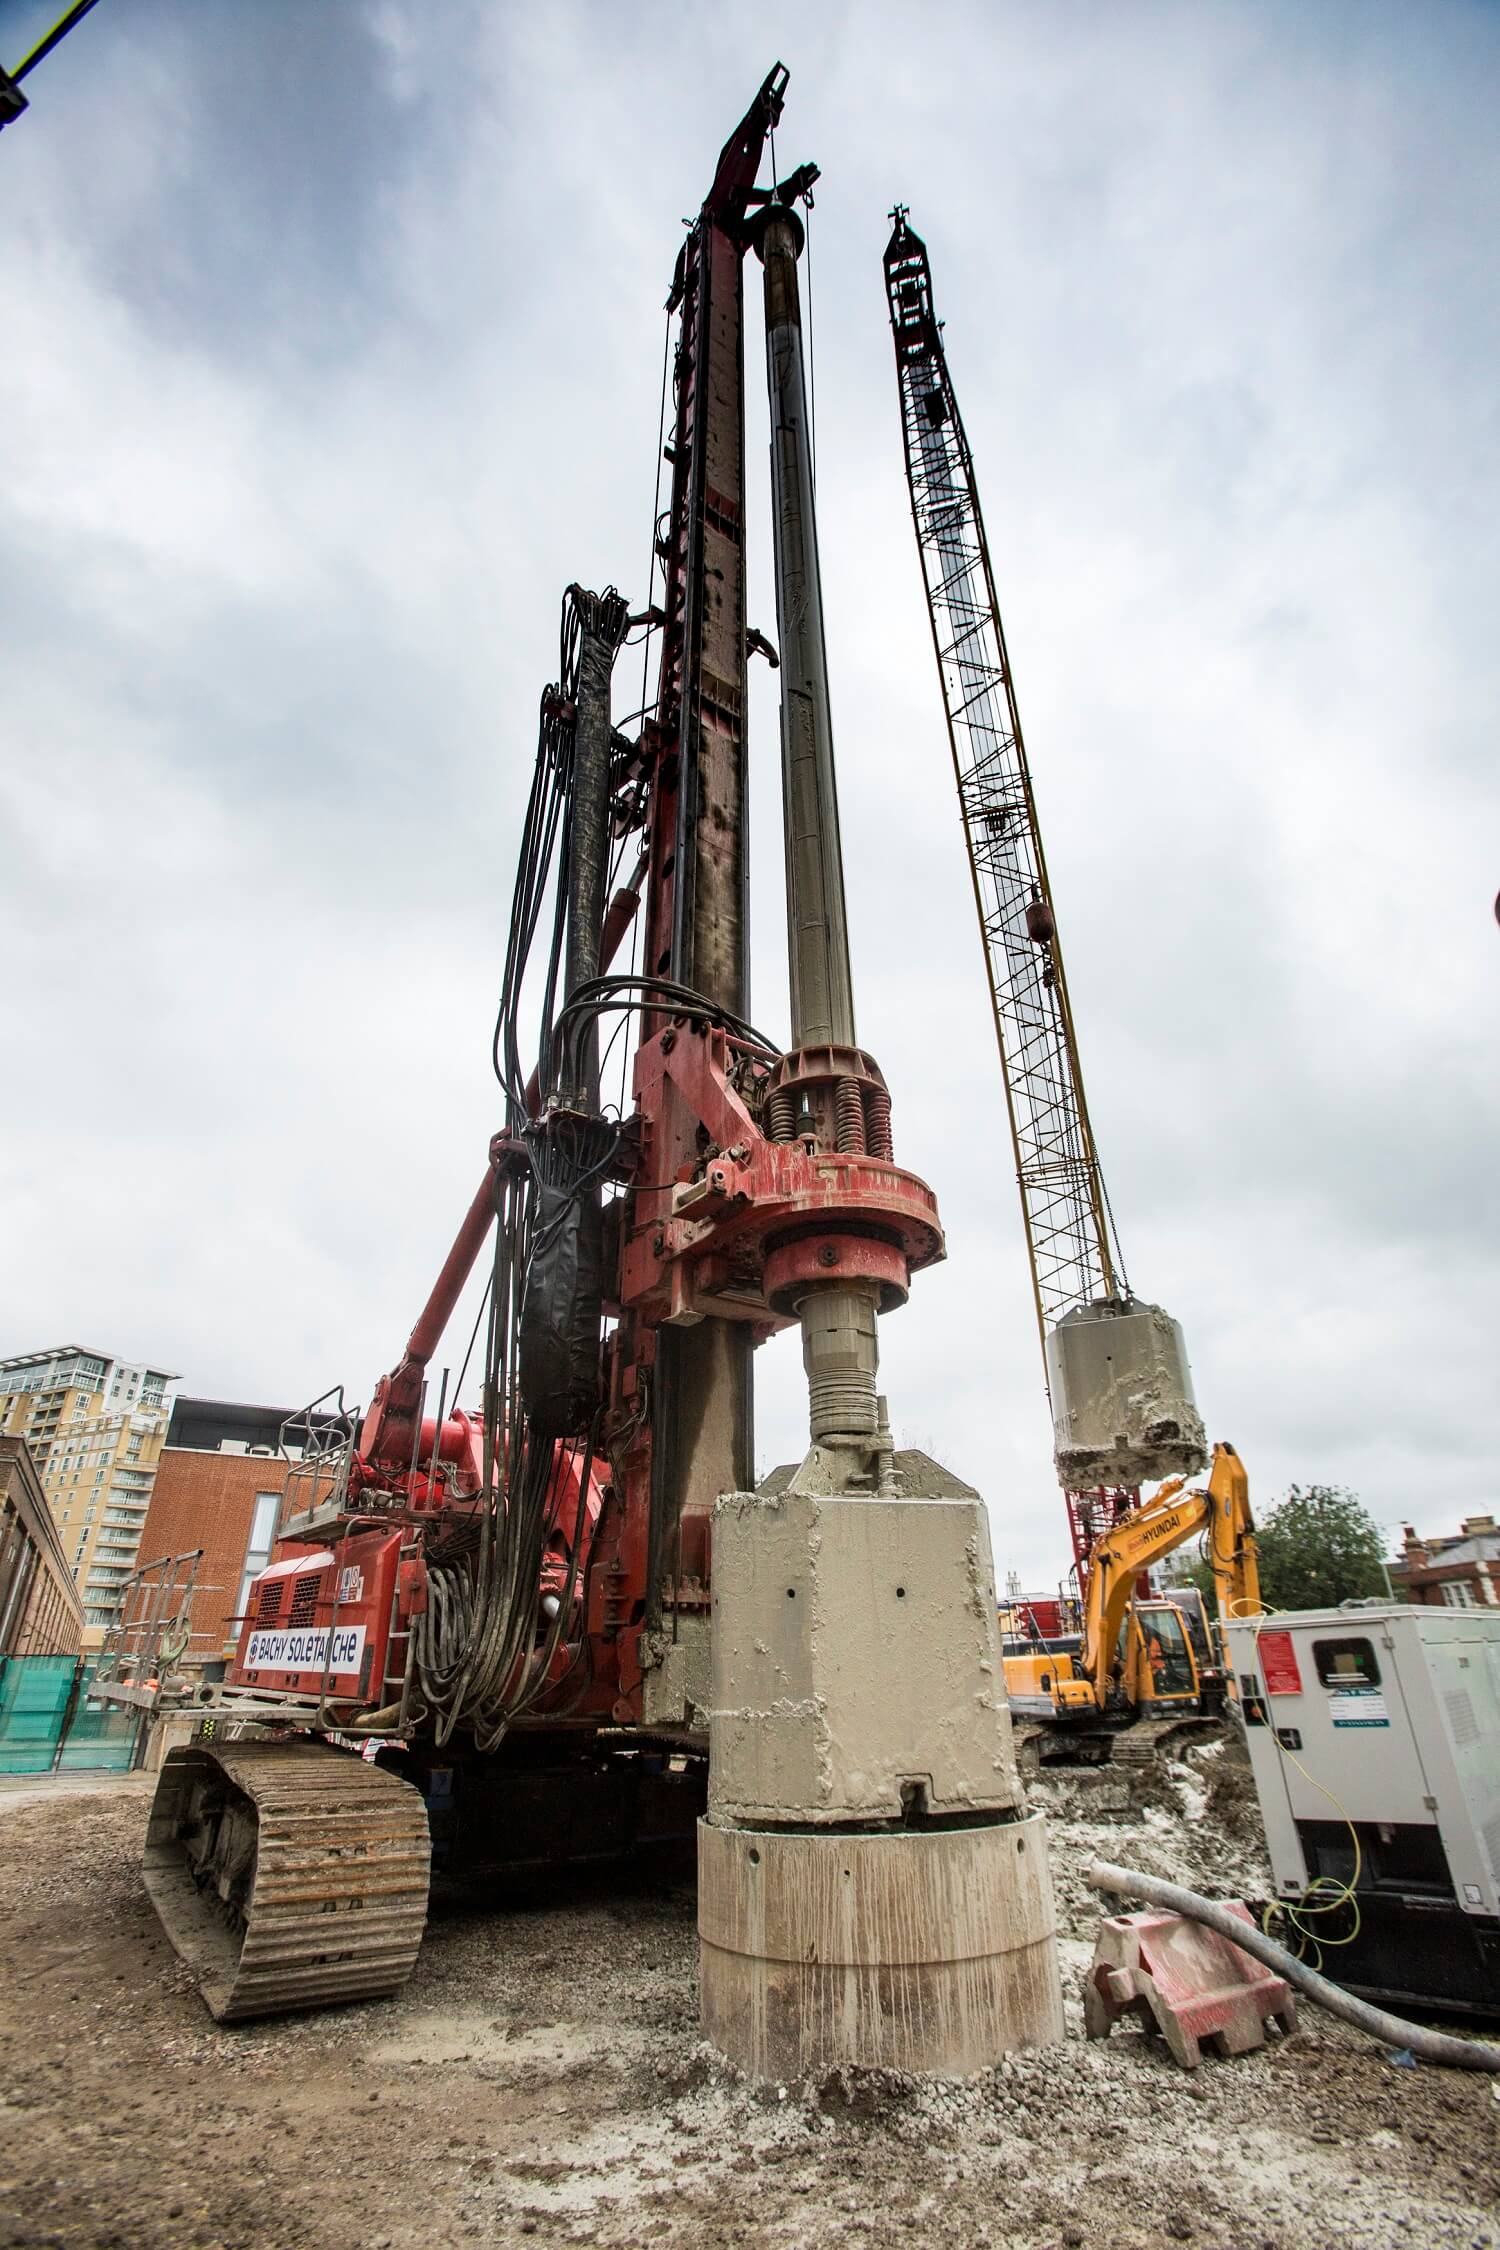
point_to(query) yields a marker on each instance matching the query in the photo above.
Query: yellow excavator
(1135, 1658)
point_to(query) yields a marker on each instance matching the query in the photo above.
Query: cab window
(1167, 1652)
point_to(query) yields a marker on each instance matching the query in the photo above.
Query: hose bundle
(488, 1643)
(502, 1608)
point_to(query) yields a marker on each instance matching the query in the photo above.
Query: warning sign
(1278, 1663)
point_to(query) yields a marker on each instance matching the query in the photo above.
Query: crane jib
(1070, 1239)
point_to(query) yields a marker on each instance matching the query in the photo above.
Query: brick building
(41, 1612)
(220, 1484)
(1461, 1571)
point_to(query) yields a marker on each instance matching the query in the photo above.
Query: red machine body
(334, 1621)
(320, 1620)
(1044, 1619)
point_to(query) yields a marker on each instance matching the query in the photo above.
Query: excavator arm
(1167, 1522)
(1231, 1537)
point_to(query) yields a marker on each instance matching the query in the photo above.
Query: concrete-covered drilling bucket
(871, 1891)
(1123, 1411)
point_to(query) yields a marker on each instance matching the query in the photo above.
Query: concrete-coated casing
(916, 1949)
(871, 1892)
(856, 1660)
(1123, 1410)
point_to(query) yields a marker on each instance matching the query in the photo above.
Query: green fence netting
(101, 1737)
(47, 1722)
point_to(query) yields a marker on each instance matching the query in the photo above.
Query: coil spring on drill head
(843, 1404)
(878, 1123)
(781, 1115)
(849, 1118)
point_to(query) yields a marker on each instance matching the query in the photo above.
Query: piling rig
(512, 1606)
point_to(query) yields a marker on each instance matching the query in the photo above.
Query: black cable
(485, 1651)
(605, 994)
(474, 1335)
(54, 38)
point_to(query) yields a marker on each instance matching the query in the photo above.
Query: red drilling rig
(511, 1606)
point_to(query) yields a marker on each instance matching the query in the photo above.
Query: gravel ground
(541, 2082)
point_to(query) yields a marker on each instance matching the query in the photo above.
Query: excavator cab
(1161, 1650)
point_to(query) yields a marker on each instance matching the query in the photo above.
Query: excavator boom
(1152, 1532)
(1133, 1653)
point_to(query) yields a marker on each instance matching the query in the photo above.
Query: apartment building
(95, 1426)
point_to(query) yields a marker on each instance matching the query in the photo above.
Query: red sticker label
(1278, 1663)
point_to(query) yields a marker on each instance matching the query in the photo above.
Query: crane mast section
(1074, 1259)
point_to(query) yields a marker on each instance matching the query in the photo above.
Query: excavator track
(1040, 1747)
(1149, 1739)
(287, 1875)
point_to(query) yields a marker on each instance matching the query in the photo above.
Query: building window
(1458, 1593)
(262, 1540)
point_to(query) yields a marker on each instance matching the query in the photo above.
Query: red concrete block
(1188, 1982)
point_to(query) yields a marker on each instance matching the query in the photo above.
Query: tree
(1317, 1546)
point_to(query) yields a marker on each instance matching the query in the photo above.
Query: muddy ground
(541, 2083)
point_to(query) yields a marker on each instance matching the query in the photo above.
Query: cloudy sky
(331, 350)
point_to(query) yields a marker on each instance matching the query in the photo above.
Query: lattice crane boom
(1070, 1239)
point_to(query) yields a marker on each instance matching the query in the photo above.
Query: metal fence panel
(102, 1736)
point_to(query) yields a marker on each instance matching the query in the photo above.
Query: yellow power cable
(1344, 1893)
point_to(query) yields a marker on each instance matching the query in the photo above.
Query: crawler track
(287, 1875)
(1041, 1747)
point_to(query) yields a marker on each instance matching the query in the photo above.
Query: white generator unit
(1378, 1724)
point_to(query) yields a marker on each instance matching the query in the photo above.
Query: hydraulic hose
(1393, 2031)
